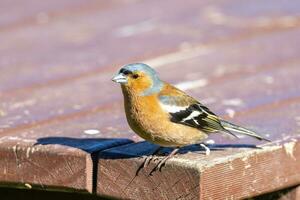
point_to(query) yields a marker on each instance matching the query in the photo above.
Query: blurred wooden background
(61, 116)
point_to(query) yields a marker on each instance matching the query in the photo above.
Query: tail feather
(232, 127)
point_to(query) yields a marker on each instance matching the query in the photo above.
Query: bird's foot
(158, 166)
(162, 162)
(145, 163)
(147, 160)
(207, 150)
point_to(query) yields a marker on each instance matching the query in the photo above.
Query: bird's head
(138, 77)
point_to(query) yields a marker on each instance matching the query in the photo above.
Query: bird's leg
(207, 150)
(162, 162)
(150, 157)
(147, 160)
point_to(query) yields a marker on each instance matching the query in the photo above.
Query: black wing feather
(192, 113)
(206, 120)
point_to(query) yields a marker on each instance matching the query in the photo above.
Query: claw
(158, 166)
(147, 160)
(144, 164)
(162, 162)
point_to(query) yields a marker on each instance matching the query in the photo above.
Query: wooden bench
(62, 125)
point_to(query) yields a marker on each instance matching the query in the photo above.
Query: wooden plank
(16, 14)
(69, 145)
(13, 193)
(75, 42)
(37, 114)
(44, 66)
(246, 57)
(74, 126)
(294, 194)
(231, 173)
(50, 163)
(70, 117)
(28, 108)
(285, 194)
(122, 182)
(89, 50)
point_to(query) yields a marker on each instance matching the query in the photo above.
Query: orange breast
(146, 118)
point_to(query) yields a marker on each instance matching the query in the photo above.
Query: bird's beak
(119, 78)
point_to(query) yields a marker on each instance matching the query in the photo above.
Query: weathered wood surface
(285, 194)
(293, 194)
(241, 58)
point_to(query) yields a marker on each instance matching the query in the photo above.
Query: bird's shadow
(121, 148)
(89, 145)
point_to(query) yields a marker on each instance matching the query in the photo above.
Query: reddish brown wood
(28, 108)
(42, 167)
(50, 163)
(83, 48)
(57, 59)
(232, 173)
(295, 194)
(15, 14)
(286, 194)
(237, 179)
(227, 174)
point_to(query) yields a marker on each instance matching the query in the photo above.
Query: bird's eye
(125, 71)
(135, 76)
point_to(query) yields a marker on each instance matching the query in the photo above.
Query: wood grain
(230, 172)
(235, 174)
(88, 44)
(59, 109)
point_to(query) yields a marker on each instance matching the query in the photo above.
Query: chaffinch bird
(164, 115)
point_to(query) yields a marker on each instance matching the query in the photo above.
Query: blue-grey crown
(140, 67)
(157, 83)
